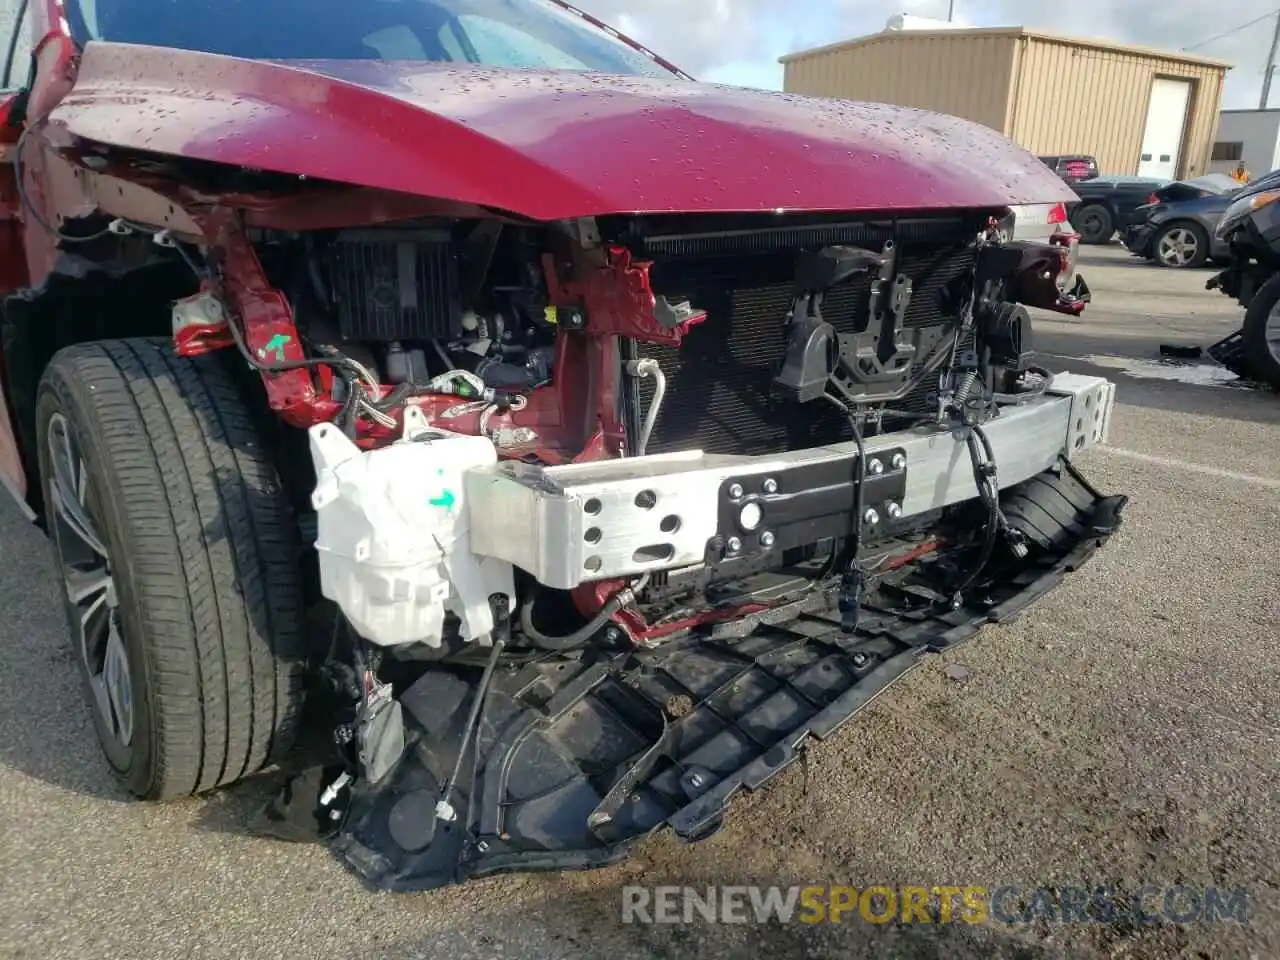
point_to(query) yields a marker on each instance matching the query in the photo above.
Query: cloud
(739, 41)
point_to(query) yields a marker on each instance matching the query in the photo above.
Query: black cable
(25, 201)
(444, 809)
(579, 637)
(981, 477)
(853, 580)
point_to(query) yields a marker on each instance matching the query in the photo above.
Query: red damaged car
(572, 443)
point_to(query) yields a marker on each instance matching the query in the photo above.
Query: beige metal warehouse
(1138, 110)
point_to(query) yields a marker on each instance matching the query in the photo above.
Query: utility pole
(951, 9)
(1271, 66)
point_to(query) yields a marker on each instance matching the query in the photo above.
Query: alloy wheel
(1271, 333)
(93, 604)
(1177, 247)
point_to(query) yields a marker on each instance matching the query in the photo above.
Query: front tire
(178, 557)
(1181, 245)
(1261, 333)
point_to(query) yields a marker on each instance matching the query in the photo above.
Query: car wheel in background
(1261, 333)
(1094, 224)
(1181, 244)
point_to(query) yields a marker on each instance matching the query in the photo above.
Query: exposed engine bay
(616, 517)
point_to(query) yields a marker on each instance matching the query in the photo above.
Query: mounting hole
(654, 553)
(593, 564)
(1079, 423)
(592, 506)
(1079, 442)
(593, 535)
(669, 524)
(1088, 402)
(646, 499)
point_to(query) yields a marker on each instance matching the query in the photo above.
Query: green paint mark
(445, 499)
(275, 345)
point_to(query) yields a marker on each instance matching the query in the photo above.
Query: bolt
(899, 461)
(771, 485)
(875, 467)
(733, 545)
(894, 510)
(696, 781)
(871, 517)
(766, 539)
(735, 490)
(482, 846)
(859, 659)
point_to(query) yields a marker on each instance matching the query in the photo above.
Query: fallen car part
(578, 757)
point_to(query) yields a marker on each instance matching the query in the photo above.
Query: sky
(739, 41)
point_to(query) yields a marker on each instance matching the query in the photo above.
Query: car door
(15, 50)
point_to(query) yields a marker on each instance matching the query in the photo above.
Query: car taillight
(1153, 199)
(1058, 214)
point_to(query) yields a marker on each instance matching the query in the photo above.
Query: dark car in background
(1072, 167)
(1178, 228)
(1107, 204)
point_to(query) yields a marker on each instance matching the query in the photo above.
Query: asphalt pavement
(1124, 731)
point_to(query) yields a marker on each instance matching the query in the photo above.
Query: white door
(1166, 121)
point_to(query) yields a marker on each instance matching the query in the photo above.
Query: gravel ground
(1124, 731)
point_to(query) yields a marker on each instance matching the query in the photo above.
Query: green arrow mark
(275, 345)
(445, 499)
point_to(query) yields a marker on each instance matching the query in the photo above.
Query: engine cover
(393, 536)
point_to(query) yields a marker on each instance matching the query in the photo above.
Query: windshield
(499, 33)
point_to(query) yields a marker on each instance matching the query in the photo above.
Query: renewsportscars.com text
(972, 904)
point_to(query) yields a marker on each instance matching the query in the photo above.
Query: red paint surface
(547, 144)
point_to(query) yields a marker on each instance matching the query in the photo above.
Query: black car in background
(1072, 167)
(1107, 204)
(1179, 228)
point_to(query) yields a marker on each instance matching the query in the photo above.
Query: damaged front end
(804, 460)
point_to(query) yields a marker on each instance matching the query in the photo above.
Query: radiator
(719, 381)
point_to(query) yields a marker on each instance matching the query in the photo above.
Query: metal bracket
(762, 513)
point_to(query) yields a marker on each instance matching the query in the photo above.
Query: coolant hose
(648, 367)
(579, 637)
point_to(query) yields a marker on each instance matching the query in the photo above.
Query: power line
(1233, 30)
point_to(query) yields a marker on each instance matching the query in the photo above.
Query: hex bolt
(733, 545)
(696, 781)
(859, 659)
(735, 490)
(894, 510)
(771, 485)
(875, 467)
(613, 635)
(871, 517)
(766, 539)
(899, 461)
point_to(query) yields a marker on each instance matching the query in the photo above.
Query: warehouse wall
(962, 74)
(1257, 132)
(1071, 98)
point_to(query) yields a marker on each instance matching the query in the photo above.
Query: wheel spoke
(69, 487)
(1271, 333)
(88, 589)
(118, 686)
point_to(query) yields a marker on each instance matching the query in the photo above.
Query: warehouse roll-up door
(1166, 123)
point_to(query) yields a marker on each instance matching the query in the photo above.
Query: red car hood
(546, 144)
